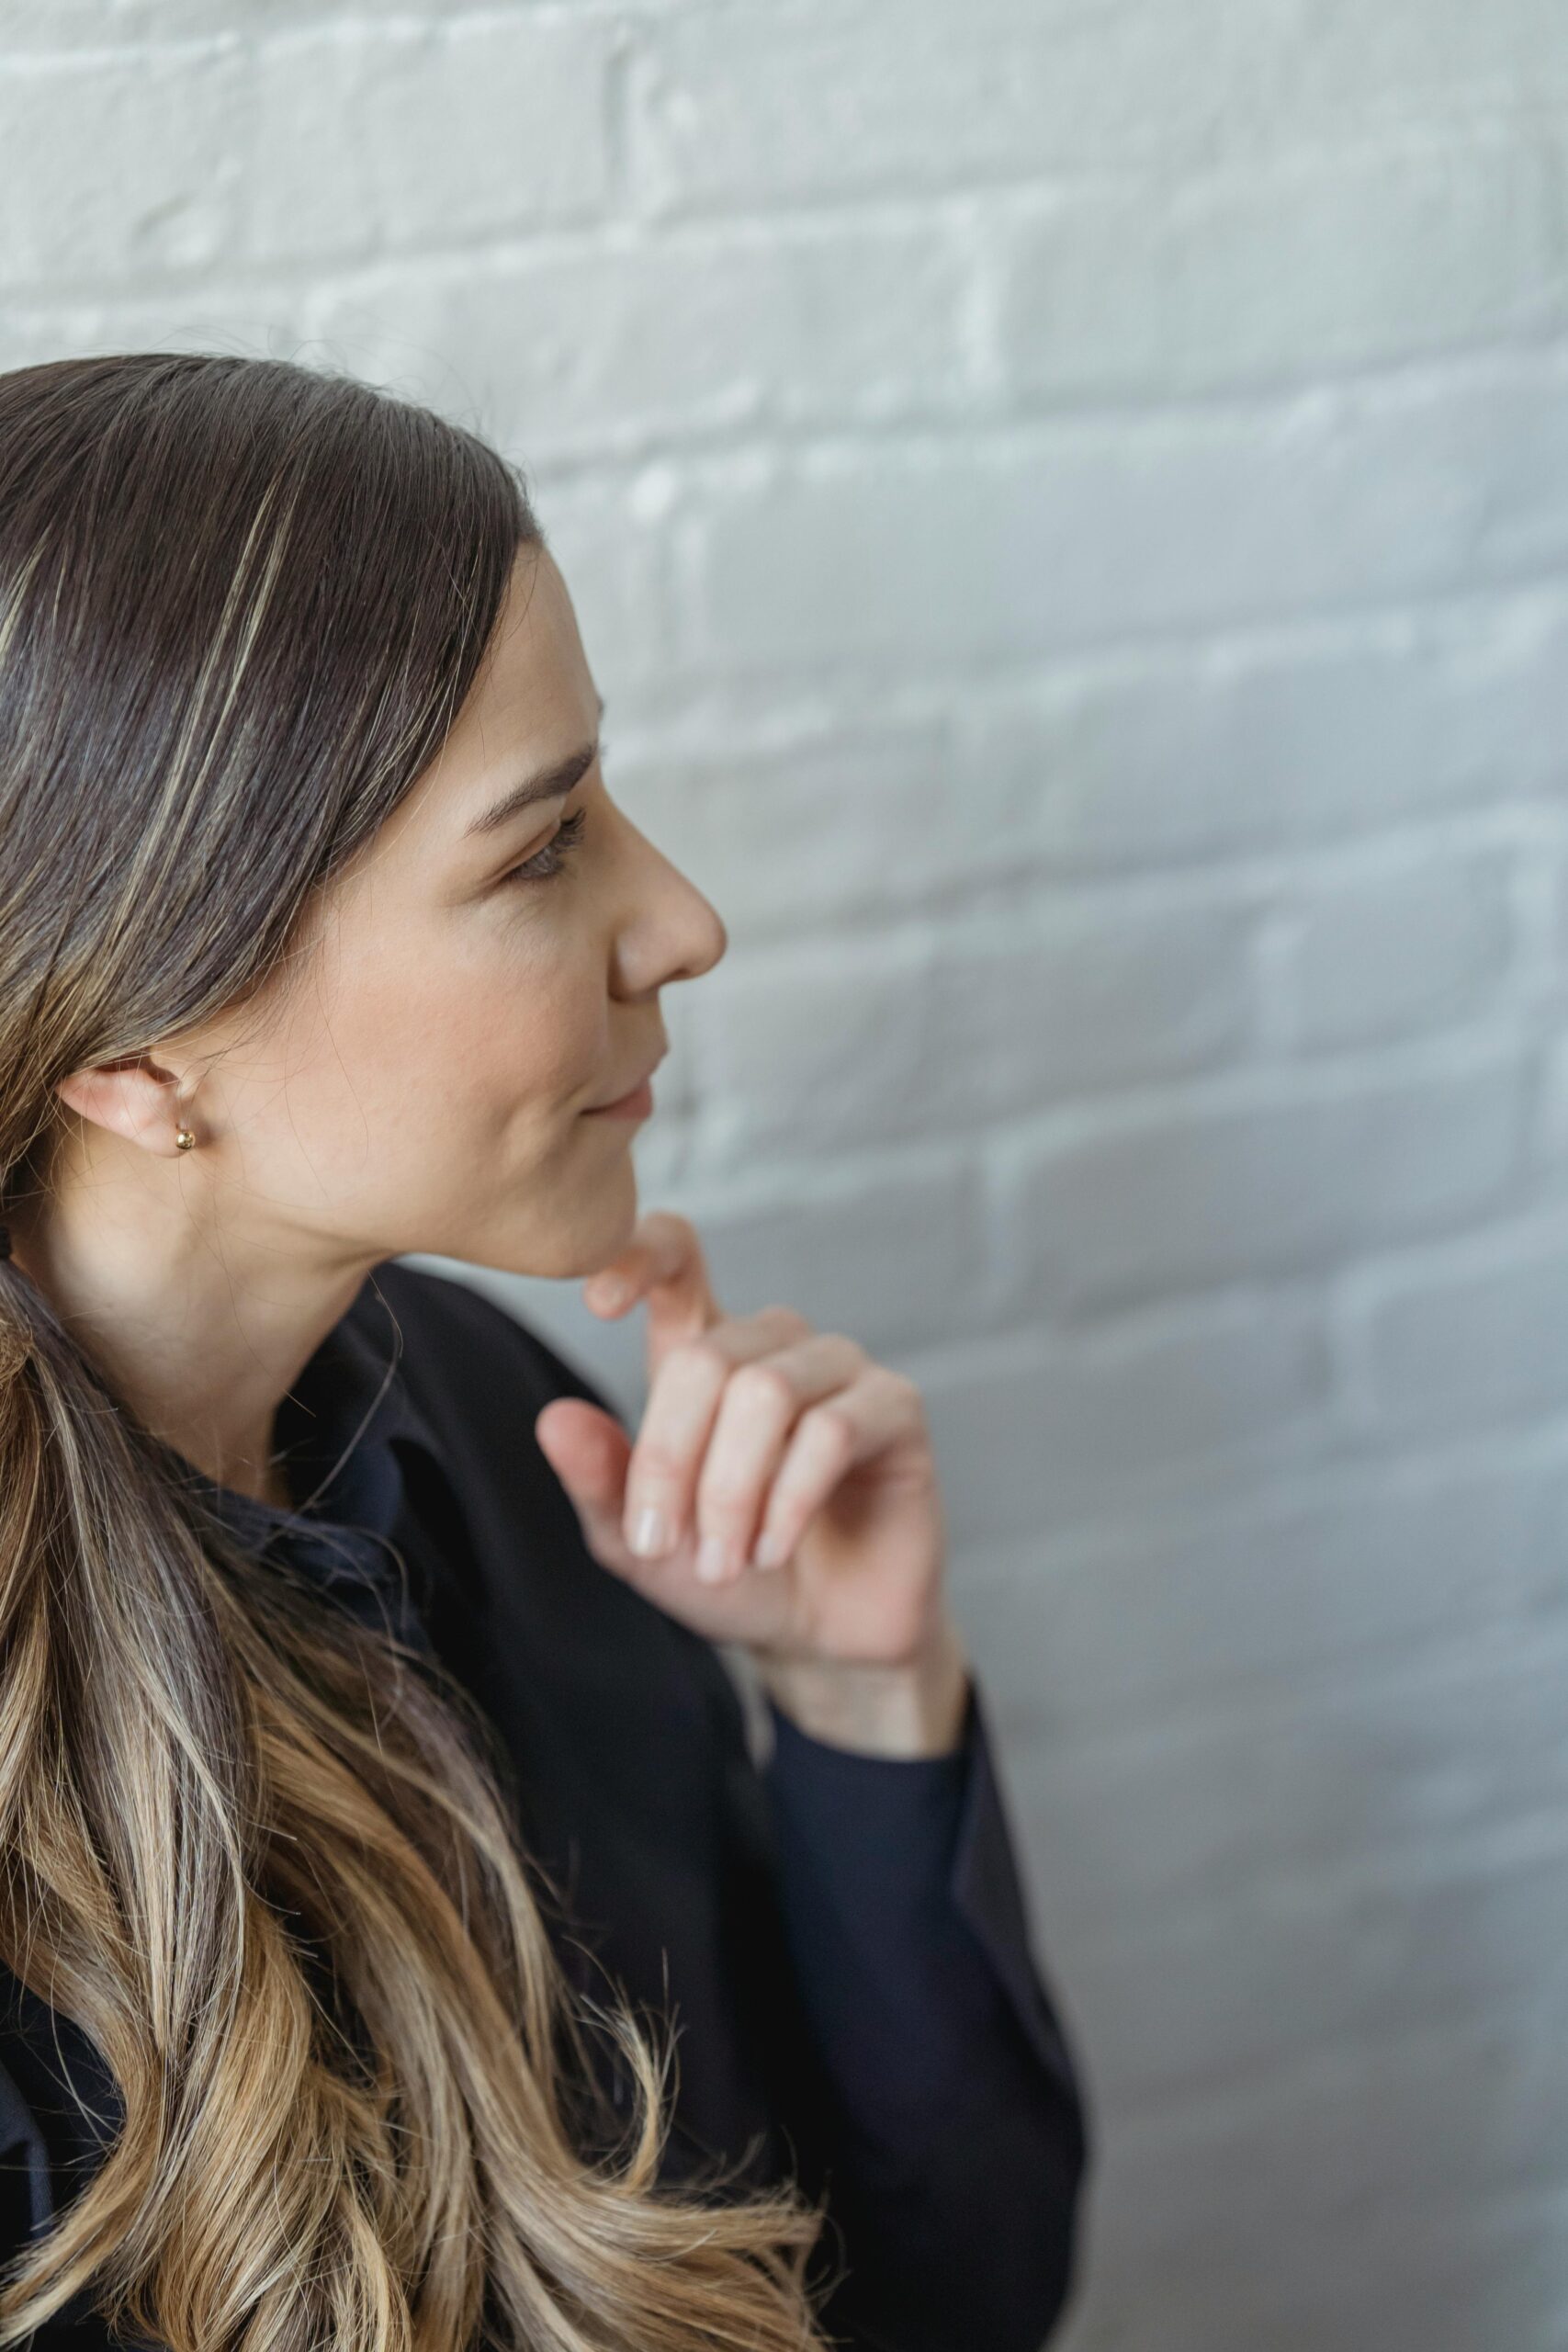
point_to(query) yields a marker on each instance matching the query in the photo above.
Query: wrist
(916, 1707)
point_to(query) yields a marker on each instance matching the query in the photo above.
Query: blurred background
(1068, 506)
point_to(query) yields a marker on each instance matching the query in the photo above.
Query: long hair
(264, 1860)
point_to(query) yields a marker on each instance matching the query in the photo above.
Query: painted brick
(1476, 1343)
(368, 136)
(1043, 1438)
(609, 349)
(903, 1036)
(840, 1250)
(1432, 1940)
(837, 825)
(1250, 1602)
(1228, 749)
(1250, 278)
(920, 553)
(1137, 829)
(1391, 953)
(118, 163)
(1461, 1748)
(1282, 1186)
(1447, 2270)
(754, 106)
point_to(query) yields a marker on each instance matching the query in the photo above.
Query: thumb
(588, 1449)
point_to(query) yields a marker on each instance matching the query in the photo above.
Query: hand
(786, 1482)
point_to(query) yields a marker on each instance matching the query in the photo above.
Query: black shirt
(841, 1939)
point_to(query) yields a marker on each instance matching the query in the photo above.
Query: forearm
(914, 1708)
(958, 2148)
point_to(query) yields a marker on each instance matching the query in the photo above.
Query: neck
(201, 1333)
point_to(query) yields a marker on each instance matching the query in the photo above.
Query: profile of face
(426, 1075)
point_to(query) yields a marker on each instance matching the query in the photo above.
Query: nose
(669, 930)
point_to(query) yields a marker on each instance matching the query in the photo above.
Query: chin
(603, 1218)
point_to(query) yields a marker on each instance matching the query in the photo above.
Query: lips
(640, 1080)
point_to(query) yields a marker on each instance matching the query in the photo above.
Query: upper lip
(640, 1080)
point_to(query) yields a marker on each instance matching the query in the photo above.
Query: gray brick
(1286, 1183)
(830, 827)
(184, 156)
(413, 132)
(1392, 952)
(1444, 2271)
(1129, 1023)
(118, 163)
(1052, 1438)
(1254, 278)
(797, 1054)
(840, 1251)
(606, 348)
(919, 1034)
(1089, 997)
(1480, 1343)
(1197, 754)
(1190, 1996)
(840, 98)
(915, 554)
(1246, 1604)
(614, 562)
(1462, 1750)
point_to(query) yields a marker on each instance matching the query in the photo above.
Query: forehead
(532, 703)
(533, 693)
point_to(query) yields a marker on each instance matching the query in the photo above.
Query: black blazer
(841, 1939)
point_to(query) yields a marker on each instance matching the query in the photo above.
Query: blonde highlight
(263, 1857)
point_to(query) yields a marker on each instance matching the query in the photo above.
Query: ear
(134, 1097)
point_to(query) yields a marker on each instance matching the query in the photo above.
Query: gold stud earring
(184, 1139)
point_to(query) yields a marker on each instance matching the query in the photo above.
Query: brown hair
(260, 1856)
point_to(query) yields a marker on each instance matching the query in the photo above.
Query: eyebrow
(548, 783)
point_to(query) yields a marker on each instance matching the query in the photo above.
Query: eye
(552, 859)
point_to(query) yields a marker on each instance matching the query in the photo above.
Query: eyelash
(548, 862)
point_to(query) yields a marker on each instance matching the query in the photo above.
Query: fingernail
(713, 1559)
(651, 1534)
(766, 1553)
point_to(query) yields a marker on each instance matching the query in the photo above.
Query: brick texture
(1067, 506)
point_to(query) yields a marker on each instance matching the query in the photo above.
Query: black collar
(339, 1431)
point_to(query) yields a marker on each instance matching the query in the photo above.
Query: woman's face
(430, 1085)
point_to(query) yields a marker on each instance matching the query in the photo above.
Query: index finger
(664, 1262)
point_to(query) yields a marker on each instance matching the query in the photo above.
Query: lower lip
(637, 1104)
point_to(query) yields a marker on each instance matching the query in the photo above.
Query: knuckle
(696, 1362)
(789, 1318)
(724, 1486)
(724, 1501)
(659, 1464)
(762, 1387)
(832, 1426)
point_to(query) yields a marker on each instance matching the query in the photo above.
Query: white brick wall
(1068, 506)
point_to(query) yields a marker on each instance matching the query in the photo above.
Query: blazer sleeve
(952, 2142)
(26, 2183)
(957, 2143)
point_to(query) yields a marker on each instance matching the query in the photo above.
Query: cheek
(419, 1048)
(494, 1039)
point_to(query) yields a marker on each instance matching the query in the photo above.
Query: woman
(404, 1946)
